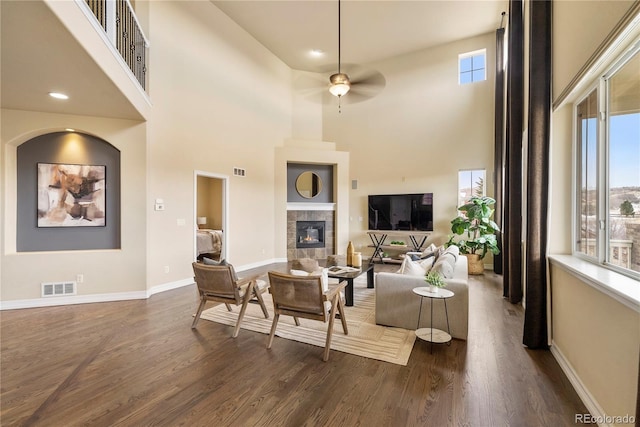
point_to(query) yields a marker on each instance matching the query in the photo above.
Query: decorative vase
(350, 252)
(356, 259)
(475, 264)
(433, 289)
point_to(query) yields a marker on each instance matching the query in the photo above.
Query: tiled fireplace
(310, 234)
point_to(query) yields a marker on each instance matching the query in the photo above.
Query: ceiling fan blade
(365, 84)
(310, 85)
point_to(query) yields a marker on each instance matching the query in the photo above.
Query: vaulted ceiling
(38, 53)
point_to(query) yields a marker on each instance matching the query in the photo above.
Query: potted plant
(478, 229)
(435, 281)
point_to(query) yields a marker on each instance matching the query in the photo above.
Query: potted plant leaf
(435, 281)
(478, 231)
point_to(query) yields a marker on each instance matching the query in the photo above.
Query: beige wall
(599, 337)
(221, 100)
(105, 271)
(579, 28)
(417, 133)
(217, 95)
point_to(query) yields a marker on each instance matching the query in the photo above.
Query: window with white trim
(607, 156)
(472, 66)
(470, 183)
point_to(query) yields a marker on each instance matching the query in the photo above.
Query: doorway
(211, 235)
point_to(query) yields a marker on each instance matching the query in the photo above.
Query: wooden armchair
(220, 283)
(303, 296)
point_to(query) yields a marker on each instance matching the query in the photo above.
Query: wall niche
(309, 183)
(80, 224)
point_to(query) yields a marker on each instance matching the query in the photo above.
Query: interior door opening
(211, 234)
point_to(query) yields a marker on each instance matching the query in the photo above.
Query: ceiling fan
(359, 85)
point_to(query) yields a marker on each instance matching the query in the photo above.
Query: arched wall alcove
(67, 148)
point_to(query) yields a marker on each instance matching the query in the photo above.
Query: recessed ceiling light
(58, 95)
(316, 53)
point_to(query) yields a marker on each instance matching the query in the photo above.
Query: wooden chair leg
(198, 313)
(273, 329)
(245, 303)
(295, 319)
(332, 316)
(228, 307)
(261, 302)
(342, 317)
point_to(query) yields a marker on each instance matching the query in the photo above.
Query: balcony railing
(119, 22)
(620, 252)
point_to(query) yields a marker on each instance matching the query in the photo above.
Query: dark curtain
(512, 202)
(498, 161)
(535, 315)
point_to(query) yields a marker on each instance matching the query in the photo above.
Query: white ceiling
(40, 55)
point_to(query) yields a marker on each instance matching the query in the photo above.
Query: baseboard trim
(88, 299)
(259, 264)
(169, 286)
(583, 392)
(69, 300)
(121, 296)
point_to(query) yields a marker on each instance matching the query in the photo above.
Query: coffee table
(350, 277)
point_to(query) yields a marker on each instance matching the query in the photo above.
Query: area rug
(365, 338)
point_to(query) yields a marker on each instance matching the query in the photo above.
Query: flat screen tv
(411, 212)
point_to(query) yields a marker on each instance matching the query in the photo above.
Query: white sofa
(397, 305)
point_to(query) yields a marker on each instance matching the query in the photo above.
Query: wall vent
(57, 289)
(239, 172)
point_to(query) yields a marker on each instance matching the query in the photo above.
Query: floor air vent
(56, 289)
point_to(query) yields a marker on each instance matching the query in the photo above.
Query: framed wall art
(71, 195)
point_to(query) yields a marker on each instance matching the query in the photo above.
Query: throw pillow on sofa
(446, 262)
(415, 268)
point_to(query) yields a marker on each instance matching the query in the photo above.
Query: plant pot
(475, 264)
(433, 289)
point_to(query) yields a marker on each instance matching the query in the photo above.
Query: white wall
(418, 132)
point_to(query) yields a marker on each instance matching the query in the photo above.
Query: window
(470, 183)
(472, 67)
(607, 136)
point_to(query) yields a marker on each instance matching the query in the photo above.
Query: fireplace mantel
(301, 206)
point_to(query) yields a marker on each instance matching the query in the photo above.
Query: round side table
(431, 334)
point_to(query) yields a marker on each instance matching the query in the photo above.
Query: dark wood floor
(138, 363)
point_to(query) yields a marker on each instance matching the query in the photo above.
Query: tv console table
(378, 238)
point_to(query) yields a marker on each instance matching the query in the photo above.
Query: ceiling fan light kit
(340, 84)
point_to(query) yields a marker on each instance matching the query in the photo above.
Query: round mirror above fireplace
(308, 184)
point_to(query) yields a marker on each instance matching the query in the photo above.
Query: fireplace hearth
(310, 234)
